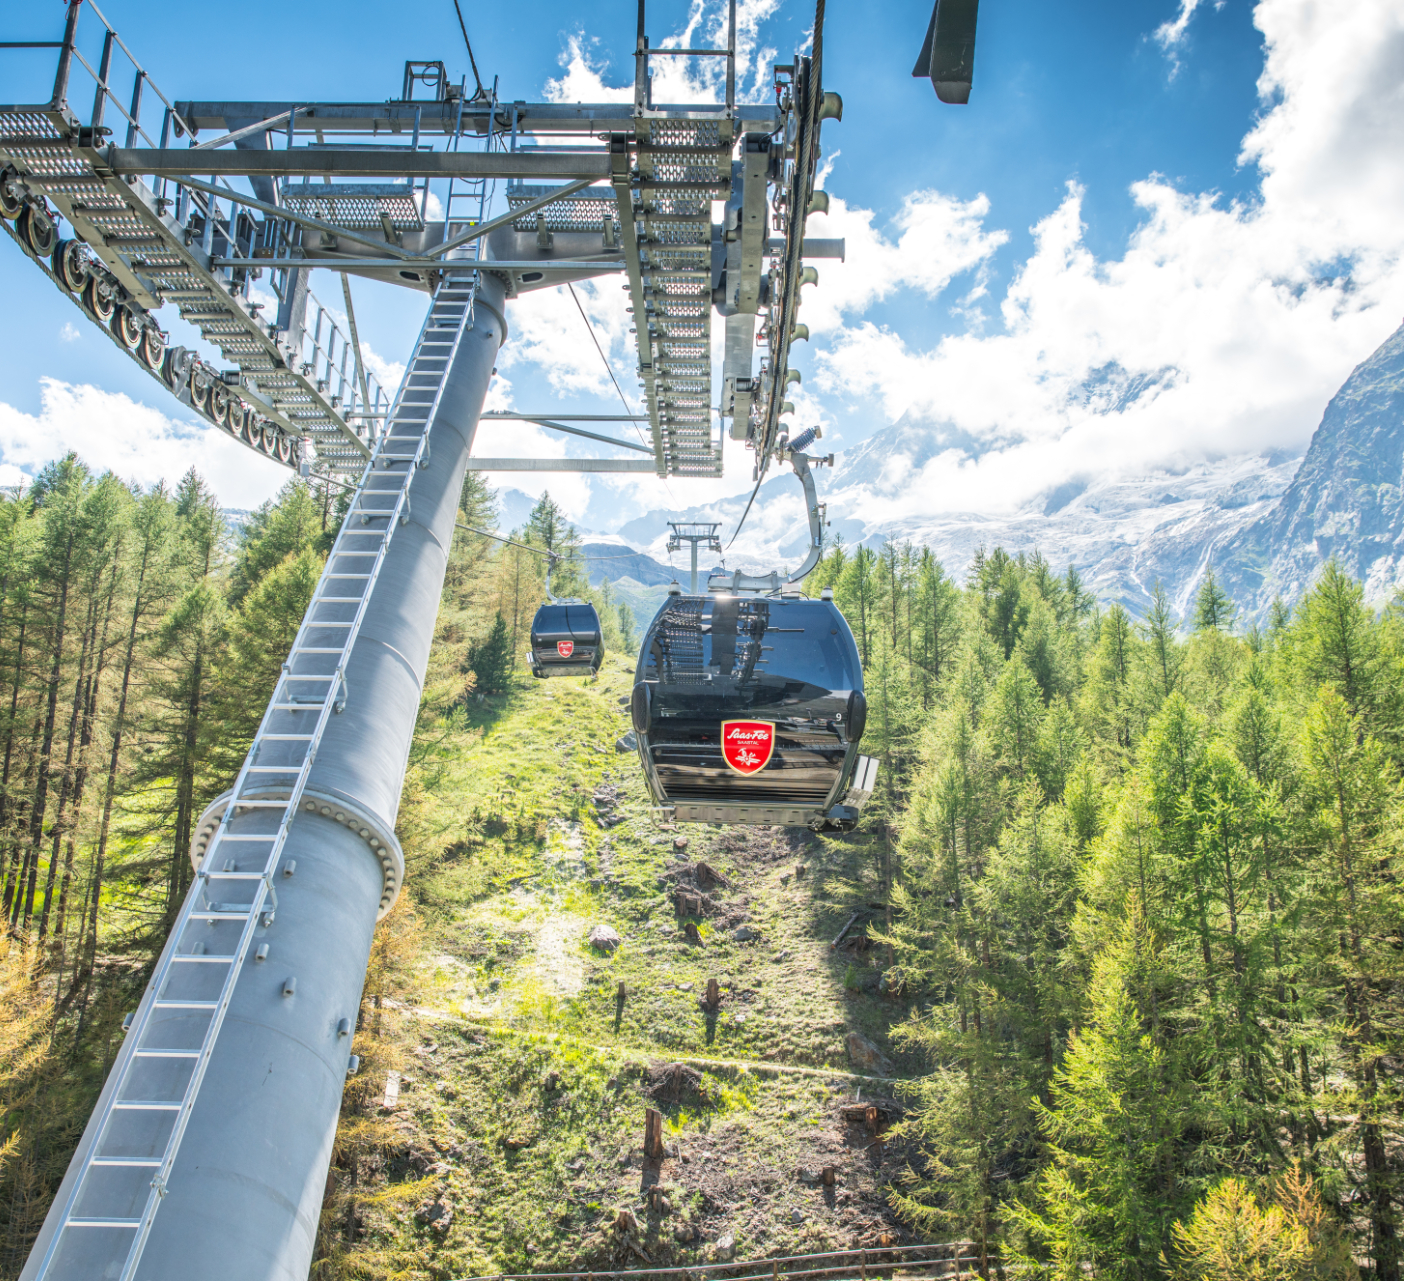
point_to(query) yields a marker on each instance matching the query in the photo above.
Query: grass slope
(516, 1140)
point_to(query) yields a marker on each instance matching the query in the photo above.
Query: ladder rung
(189, 958)
(277, 769)
(352, 575)
(168, 1054)
(219, 916)
(308, 649)
(244, 836)
(295, 738)
(233, 876)
(339, 600)
(328, 623)
(145, 1105)
(262, 805)
(311, 676)
(150, 1162)
(103, 1223)
(185, 1005)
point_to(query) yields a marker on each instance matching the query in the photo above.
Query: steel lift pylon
(209, 1147)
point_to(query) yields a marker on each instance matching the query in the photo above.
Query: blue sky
(1110, 167)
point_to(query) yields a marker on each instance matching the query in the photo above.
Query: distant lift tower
(208, 1150)
(694, 534)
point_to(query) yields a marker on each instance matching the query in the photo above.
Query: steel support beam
(421, 264)
(335, 162)
(562, 464)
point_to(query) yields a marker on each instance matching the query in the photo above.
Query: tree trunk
(75, 715)
(12, 883)
(41, 785)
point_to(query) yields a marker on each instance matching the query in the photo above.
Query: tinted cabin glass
(579, 623)
(729, 656)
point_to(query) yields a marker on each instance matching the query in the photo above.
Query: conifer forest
(1139, 944)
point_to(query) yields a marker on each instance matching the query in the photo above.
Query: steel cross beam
(347, 162)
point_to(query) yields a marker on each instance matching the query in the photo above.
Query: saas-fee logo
(747, 745)
(565, 648)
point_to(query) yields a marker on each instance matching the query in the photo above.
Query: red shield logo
(565, 648)
(747, 745)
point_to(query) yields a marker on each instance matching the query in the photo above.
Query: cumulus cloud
(112, 432)
(936, 238)
(1224, 327)
(69, 332)
(676, 79)
(1170, 35)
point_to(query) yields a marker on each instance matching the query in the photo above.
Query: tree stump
(626, 1221)
(713, 997)
(653, 1134)
(829, 1176)
(692, 933)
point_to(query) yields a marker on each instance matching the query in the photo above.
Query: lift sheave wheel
(566, 640)
(11, 206)
(153, 347)
(70, 264)
(750, 710)
(38, 231)
(200, 382)
(97, 293)
(219, 404)
(126, 324)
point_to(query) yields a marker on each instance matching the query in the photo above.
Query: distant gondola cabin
(566, 640)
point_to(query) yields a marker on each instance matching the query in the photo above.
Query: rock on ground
(604, 936)
(866, 1057)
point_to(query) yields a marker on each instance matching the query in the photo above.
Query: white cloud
(677, 79)
(1224, 328)
(109, 431)
(939, 237)
(69, 332)
(1170, 35)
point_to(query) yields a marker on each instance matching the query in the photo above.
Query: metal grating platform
(358, 206)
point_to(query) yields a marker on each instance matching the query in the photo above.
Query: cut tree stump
(653, 1134)
(693, 936)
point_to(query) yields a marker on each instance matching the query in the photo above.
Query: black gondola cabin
(750, 710)
(566, 640)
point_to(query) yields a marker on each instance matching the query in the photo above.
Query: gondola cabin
(566, 640)
(750, 710)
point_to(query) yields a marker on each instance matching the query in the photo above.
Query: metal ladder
(169, 1044)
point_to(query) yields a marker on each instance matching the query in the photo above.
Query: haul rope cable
(473, 529)
(472, 62)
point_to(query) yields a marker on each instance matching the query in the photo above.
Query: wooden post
(623, 991)
(713, 994)
(829, 1175)
(863, 1264)
(653, 1134)
(871, 1117)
